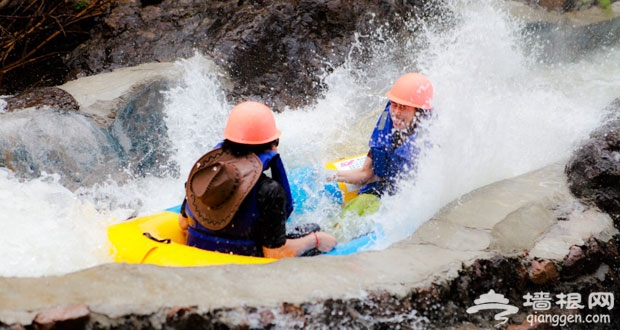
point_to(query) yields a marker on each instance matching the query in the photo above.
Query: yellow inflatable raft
(157, 239)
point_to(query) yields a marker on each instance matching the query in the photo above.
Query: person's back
(231, 206)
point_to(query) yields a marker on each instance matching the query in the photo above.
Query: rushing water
(500, 113)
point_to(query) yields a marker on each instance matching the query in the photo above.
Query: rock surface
(51, 97)
(594, 169)
(273, 50)
(121, 111)
(280, 51)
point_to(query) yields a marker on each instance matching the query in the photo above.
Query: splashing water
(46, 230)
(499, 114)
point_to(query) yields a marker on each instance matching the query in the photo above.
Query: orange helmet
(412, 89)
(251, 123)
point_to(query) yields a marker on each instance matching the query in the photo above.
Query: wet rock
(294, 41)
(593, 171)
(557, 4)
(543, 272)
(267, 317)
(566, 38)
(611, 252)
(131, 142)
(563, 5)
(583, 259)
(176, 313)
(66, 317)
(280, 51)
(484, 275)
(520, 229)
(38, 98)
(277, 51)
(141, 135)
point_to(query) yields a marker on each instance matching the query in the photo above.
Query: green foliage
(80, 5)
(604, 3)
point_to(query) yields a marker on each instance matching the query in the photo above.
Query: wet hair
(239, 149)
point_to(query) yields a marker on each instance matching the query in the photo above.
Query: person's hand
(326, 242)
(330, 175)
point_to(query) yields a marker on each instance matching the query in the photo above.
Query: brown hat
(217, 185)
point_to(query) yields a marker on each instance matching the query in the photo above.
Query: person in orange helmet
(232, 206)
(393, 149)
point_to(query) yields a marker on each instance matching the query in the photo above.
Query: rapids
(501, 111)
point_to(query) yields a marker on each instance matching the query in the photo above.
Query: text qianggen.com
(563, 320)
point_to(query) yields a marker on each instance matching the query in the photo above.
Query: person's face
(402, 115)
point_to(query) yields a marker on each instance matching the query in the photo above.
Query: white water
(500, 114)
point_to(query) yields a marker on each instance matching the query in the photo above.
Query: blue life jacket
(388, 163)
(236, 237)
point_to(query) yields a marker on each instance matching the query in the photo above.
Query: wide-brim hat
(217, 185)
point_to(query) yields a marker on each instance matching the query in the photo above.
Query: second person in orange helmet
(232, 206)
(393, 148)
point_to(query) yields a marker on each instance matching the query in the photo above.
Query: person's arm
(295, 247)
(359, 176)
(183, 222)
(271, 226)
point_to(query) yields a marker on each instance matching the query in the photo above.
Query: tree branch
(38, 23)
